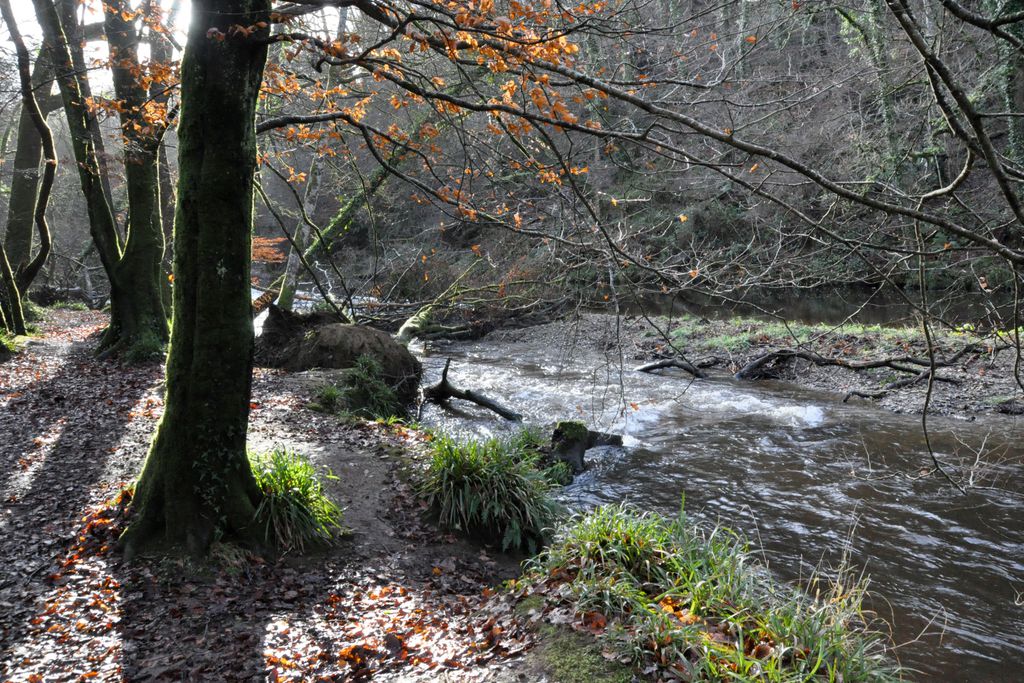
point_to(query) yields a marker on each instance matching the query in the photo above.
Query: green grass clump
(743, 333)
(327, 398)
(692, 599)
(32, 311)
(368, 394)
(68, 306)
(490, 489)
(295, 510)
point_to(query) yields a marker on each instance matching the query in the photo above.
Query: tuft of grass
(32, 311)
(327, 398)
(490, 489)
(692, 599)
(368, 394)
(296, 512)
(68, 306)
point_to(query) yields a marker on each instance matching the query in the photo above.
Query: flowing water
(803, 475)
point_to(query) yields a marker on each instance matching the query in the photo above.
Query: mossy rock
(1011, 406)
(571, 439)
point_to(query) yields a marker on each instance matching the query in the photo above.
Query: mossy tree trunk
(28, 155)
(132, 262)
(197, 483)
(1013, 81)
(14, 281)
(12, 318)
(137, 310)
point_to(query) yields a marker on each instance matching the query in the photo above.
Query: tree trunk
(28, 155)
(300, 237)
(12, 318)
(17, 280)
(1013, 82)
(75, 40)
(197, 484)
(137, 311)
(137, 317)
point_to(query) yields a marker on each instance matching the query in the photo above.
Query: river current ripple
(803, 475)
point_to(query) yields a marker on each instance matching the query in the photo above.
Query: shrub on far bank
(692, 600)
(491, 489)
(296, 511)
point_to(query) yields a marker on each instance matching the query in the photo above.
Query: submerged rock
(1011, 406)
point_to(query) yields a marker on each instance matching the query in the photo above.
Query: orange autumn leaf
(267, 249)
(595, 622)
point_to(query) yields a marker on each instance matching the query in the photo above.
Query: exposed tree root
(443, 391)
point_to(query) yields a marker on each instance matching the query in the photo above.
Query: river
(803, 475)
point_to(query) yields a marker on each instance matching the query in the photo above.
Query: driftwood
(901, 384)
(443, 391)
(672, 363)
(900, 363)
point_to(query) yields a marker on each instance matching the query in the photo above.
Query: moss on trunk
(28, 155)
(12, 318)
(197, 484)
(138, 322)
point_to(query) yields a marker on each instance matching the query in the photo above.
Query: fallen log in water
(444, 391)
(672, 363)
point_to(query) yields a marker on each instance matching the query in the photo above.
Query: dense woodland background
(442, 168)
(627, 197)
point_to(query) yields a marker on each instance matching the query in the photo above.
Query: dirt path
(396, 600)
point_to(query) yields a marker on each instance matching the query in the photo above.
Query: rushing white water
(805, 476)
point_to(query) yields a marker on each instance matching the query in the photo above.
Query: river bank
(814, 479)
(397, 599)
(75, 431)
(976, 373)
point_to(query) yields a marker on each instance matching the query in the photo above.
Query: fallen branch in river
(443, 391)
(752, 370)
(672, 363)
